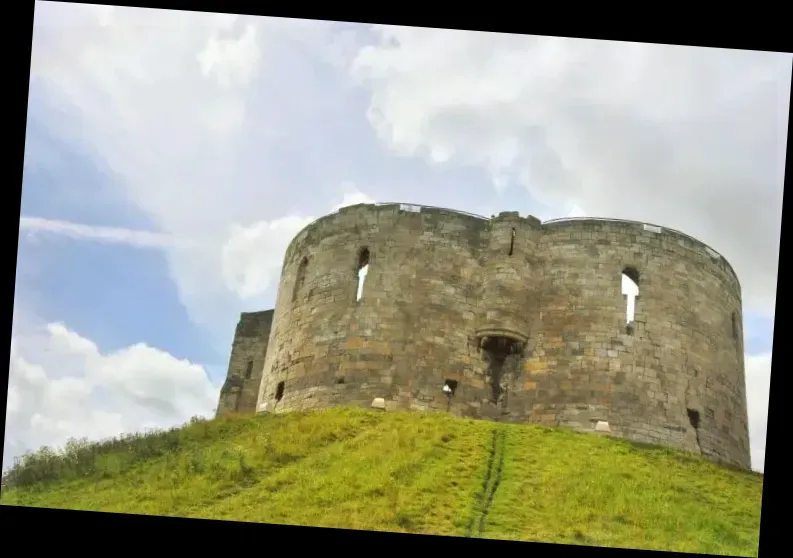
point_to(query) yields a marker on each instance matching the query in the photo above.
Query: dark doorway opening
(279, 391)
(503, 356)
(452, 385)
(693, 418)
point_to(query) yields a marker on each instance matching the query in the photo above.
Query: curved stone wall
(525, 321)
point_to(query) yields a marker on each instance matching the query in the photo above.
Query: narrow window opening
(736, 330)
(249, 370)
(512, 242)
(630, 288)
(363, 269)
(279, 391)
(449, 387)
(300, 278)
(340, 380)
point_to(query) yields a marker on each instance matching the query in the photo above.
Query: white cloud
(353, 196)
(61, 386)
(166, 99)
(253, 256)
(689, 138)
(574, 210)
(758, 379)
(192, 112)
(231, 61)
(33, 226)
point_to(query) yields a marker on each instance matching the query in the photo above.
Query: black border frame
(62, 527)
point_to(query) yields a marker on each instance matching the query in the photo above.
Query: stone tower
(523, 321)
(241, 389)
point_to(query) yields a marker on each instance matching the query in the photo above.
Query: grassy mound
(408, 472)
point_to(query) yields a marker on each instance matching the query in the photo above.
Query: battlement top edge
(404, 206)
(418, 208)
(647, 226)
(256, 314)
(408, 207)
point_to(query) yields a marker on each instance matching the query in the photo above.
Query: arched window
(362, 270)
(249, 370)
(630, 288)
(300, 277)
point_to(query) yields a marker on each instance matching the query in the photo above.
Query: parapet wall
(526, 321)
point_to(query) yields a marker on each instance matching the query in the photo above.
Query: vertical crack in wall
(494, 370)
(509, 370)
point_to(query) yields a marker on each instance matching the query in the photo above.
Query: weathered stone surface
(443, 288)
(241, 390)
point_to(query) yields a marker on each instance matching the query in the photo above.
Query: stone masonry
(241, 389)
(523, 321)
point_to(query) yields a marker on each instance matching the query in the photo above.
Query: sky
(171, 156)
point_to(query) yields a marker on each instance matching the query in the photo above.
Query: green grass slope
(407, 472)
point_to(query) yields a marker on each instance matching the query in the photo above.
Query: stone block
(378, 403)
(602, 426)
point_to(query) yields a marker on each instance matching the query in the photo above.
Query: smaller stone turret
(241, 389)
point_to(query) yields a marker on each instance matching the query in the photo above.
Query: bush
(105, 458)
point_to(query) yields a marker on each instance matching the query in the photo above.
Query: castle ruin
(506, 319)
